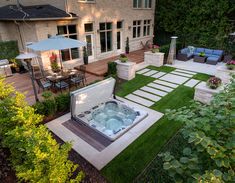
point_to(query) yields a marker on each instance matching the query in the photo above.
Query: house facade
(103, 24)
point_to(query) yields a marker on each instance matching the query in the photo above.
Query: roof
(32, 13)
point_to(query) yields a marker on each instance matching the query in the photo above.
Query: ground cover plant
(34, 154)
(135, 158)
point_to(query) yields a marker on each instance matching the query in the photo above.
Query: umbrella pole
(61, 65)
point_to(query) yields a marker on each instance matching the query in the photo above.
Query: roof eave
(41, 19)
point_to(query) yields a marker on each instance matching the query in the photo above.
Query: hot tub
(95, 107)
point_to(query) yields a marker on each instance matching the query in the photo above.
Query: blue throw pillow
(208, 51)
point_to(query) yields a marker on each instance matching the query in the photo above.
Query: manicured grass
(131, 162)
(202, 77)
(162, 68)
(123, 89)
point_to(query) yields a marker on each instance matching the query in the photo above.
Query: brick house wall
(98, 12)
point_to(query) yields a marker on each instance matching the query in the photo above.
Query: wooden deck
(22, 83)
(100, 67)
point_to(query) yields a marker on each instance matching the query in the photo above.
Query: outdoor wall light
(129, 27)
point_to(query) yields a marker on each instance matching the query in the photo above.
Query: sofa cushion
(184, 51)
(199, 50)
(213, 58)
(208, 51)
(218, 52)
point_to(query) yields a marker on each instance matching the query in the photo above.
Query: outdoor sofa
(212, 56)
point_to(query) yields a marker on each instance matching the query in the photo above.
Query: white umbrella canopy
(56, 43)
(26, 55)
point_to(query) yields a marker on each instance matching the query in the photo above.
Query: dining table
(63, 75)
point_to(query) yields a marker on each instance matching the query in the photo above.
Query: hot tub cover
(86, 98)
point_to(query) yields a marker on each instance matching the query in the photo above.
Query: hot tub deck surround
(101, 158)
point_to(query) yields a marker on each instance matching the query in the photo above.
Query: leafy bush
(35, 156)
(112, 68)
(164, 49)
(209, 130)
(9, 50)
(62, 102)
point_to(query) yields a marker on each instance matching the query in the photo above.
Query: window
(88, 27)
(119, 27)
(147, 3)
(69, 31)
(146, 31)
(137, 3)
(87, 1)
(106, 37)
(136, 28)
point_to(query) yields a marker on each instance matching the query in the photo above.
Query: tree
(199, 23)
(210, 132)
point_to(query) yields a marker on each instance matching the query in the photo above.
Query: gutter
(67, 8)
(41, 19)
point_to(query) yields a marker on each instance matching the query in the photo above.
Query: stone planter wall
(126, 70)
(204, 94)
(224, 74)
(155, 59)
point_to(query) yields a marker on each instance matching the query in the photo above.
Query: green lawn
(162, 68)
(128, 164)
(202, 77)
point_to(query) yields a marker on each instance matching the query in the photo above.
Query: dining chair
(62, 84)
(82, 69)
(44, 84)
(77, 79)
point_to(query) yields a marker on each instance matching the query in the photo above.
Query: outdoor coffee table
(199, 59)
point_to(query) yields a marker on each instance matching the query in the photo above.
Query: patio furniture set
(62, 80)
(201, 55)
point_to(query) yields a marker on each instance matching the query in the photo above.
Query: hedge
(9, 50)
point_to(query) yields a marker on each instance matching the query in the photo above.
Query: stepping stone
(191, 83)
(158, 75)
(154, 91)
(150, 73)
(143, 71)
(147, 95)
(174, 78)
(166, 83)
(182, 74)
(157, 86)
(184, 71)
(139, 100)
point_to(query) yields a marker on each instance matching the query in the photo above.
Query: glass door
(90, 50)
(119, 40)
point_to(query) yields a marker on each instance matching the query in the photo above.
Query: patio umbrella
(27, 57)
(56, 43)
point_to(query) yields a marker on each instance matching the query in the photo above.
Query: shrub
(209, 131)
(9, 50)
(35, 155)
(112, 68)
(62, 102)
(164, 49)
(214, 82)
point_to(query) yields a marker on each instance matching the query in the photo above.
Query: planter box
(155, 59)
(126, 70)
(204, 94)
(224, 74)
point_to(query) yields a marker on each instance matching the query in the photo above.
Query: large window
(69, 31)
(119, 35)
(137, 3)
(106, 37)
(146, 30)
(136, 28)
(147, 3)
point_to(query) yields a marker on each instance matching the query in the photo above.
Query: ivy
(210, 133)
(35, 155)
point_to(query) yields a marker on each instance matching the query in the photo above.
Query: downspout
(67, 8)
(21, 39)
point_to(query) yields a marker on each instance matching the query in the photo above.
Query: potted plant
(123, 58)
(127, 46)
(201, 54)
(155, 48)
(15, 65)
(54, 65)
(85, 55)
(214, 82)
(230, 65)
